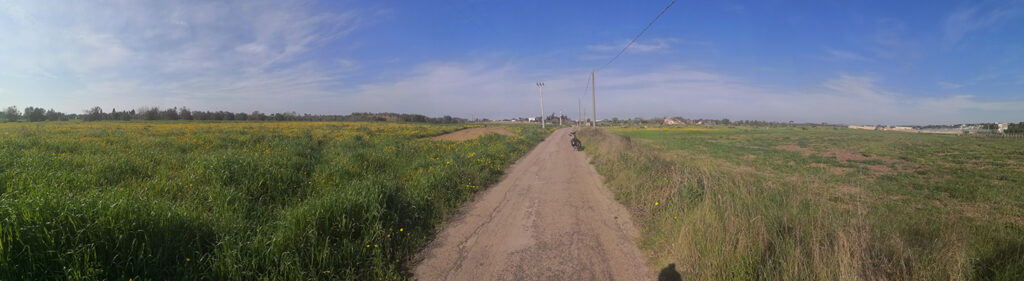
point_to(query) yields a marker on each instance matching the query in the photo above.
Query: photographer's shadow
(669, 273)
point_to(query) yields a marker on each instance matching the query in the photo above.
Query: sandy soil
(550, 218)
(472, 133)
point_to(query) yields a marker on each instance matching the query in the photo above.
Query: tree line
(37, 114)
(1015, 128)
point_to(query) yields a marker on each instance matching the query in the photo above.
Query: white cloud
(499, 91)
(195, 53)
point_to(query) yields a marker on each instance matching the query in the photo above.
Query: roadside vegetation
(233, 201)
(819, 203)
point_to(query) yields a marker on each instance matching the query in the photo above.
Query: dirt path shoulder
(550, 218)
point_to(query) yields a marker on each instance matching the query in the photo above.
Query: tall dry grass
(719, 220)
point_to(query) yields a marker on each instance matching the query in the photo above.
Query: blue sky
(856, 62)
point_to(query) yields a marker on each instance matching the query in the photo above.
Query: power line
(638, 35)
(590, 78)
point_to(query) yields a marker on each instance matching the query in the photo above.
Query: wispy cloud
(194, 53)
(966, 20)
(841, 55)
(497, 91)
(893, 39)
(652, 45)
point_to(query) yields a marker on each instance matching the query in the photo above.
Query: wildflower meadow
(233, 200)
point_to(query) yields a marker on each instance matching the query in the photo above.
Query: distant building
(863, 127)
(532, 119)
(671, 121)
(1002, 127)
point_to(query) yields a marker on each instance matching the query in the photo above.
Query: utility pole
(541, 86)
(579, 114)
(593, 98)
(559, 117)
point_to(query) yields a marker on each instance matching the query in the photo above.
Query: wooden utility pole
(593, 98)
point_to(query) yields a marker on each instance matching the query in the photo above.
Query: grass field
(233, 201)
(820, 203)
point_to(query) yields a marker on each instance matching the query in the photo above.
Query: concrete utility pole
(579, 114)
(593, 97)
(559, 117)
(541, 86)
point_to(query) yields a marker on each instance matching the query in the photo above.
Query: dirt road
(550, 218)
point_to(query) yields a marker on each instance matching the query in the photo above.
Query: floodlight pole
(540, 85)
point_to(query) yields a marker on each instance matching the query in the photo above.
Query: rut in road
(550, 218)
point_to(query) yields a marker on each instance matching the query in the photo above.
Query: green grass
(820, 203)
(233, 201)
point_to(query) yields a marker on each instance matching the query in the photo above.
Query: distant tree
(169, 114)
(257, 115)
(94, 114)
(1015, 128)
(149, 113)
(53, 115)
(12, 114)
(184, 114)
(34, 114)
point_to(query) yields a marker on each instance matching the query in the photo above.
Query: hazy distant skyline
(855, 62)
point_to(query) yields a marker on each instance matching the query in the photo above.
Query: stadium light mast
(540, 85)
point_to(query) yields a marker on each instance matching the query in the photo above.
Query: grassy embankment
(820, 204)
(232, 201)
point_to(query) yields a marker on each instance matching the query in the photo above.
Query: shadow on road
(669, 273)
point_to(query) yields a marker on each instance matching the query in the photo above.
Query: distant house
(863, 127)
(902, 128)
(671, 121)
(1002, 127)
(532, 119)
